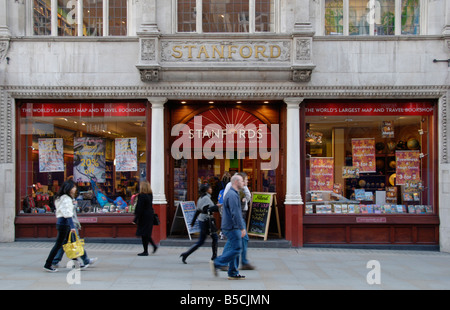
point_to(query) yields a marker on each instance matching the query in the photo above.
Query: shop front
(101, 145)
(370, 172)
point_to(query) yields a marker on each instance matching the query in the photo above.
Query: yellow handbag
(74, 249)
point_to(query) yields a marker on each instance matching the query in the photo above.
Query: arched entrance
(213, 142)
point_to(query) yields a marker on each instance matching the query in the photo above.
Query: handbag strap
(70, 234)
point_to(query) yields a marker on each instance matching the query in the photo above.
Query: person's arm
(227, 189)
(139, 208)
(236, 213)
(247, 194)
(66, 208)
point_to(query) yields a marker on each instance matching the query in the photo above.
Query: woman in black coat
(143, 217)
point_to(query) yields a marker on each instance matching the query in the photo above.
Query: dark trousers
(145, 241)
(204, 231)
(61, 238)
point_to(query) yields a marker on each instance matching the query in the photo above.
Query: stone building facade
(295, 60)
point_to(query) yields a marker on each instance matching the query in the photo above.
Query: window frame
(199, 11)
(79, 18)
(398, 27)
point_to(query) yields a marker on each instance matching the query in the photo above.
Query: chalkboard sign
(260, 213)
(189, 209)
(183, 217)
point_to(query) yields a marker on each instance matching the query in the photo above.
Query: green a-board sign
(260, 214)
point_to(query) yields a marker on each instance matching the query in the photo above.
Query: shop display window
(370, 158)
(102, 146)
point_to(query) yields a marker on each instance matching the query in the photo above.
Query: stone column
(444, 174)
(157, 172)
(157, 166)
(293, 201)
(302, 19)
(7, 168)
(148, 62)
(446, 30)
(148, 16)
(302, 57)
(4, 29)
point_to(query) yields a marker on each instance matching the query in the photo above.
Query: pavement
(119, 268)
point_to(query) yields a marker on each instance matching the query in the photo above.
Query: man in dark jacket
(233, 226)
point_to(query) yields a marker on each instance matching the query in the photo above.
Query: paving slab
(119, 268)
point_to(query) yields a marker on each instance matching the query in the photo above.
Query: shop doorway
(187, 174)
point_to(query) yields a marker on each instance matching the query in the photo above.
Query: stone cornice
(224, 91)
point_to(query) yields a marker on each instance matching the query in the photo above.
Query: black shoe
(50, 269)
(143, 254)
(183, 258)
(236, 277)
(154, 249)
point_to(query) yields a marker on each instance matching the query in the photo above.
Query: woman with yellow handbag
(84, 260)
(64, 220)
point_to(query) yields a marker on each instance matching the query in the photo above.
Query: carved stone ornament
(147, 50)
(303, 49)
(149, 75)
(301, 75)
(4, 44)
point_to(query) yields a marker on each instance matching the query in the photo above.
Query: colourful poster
(51, 155)
(322, 174)
(407, 166)
(89, 159)
(126, 154)
(363, 152)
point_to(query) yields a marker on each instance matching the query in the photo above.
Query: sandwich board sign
(183, 217)
(260, 213)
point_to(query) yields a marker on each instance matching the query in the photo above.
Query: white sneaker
(92, 260)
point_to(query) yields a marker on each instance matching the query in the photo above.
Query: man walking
(233, 227)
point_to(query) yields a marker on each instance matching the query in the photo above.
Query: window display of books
(328, 208)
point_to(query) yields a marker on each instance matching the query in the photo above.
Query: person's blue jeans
(243, 255)
(60, 254)
(244, 259)
(231, 252)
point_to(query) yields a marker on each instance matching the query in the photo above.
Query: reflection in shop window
(371, 17)
(104, 151)
(334, 23)
(369, 164)
(92, 17)
(186, 15)
(67, 17)
(42, 17)
(365, 15)
(410, 17)
(264, 16)
(226, 15)
(117, 17)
